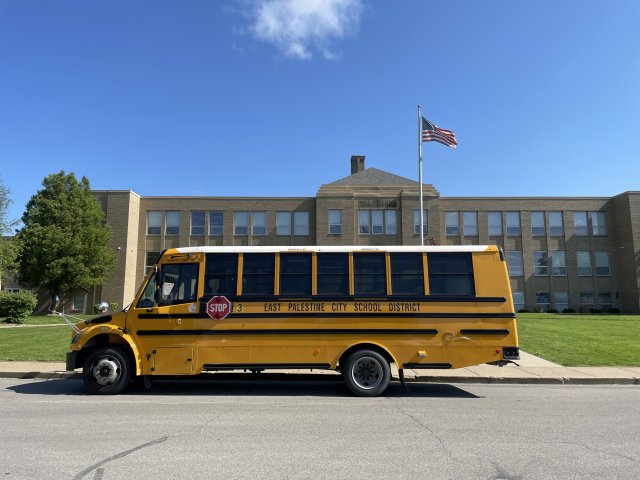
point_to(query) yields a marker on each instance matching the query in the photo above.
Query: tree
(63, 245)
(7, 246)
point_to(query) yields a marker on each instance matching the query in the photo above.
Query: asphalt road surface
(298, 430)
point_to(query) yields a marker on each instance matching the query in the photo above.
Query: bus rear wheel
(106, 371)
(366, 373)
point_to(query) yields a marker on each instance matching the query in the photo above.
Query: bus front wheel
(106, 371)
(366, 373)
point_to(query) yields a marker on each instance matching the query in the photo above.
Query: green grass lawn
(581, 340)
(571, 340)
(34, 343)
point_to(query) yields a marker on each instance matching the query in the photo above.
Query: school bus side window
(258, 273)
(221, 274)
(450, 274)
(333, 274)
(370, 273)
(295, 274)
(179, 283)
(407, 277)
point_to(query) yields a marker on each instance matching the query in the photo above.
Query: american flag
(431, 133)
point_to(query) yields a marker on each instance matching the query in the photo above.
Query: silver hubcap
(367, 373)
(106, 371)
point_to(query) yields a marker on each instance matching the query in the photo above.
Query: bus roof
(341, 248)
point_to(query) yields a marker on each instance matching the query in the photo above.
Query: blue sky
(272, 97)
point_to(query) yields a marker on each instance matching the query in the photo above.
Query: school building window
(494, 220)
(335, 222)
(301, 224)
(150, 260)
(598, 227)
(416, 222)
(452, 223)
(580, 226)
(258, 223)
(377, 222)
(515, 264)
(154, 222)
(197, 223)
(470, 224)
(216, 223)
(602, 264)
(540, 264)
(558, 264)
(556, 227)
(583, 259)
(241, 223)
(283, 223)
(513, 224)
(173, 223)
(537, 224)
(518, 300)
(560, 301)
(543, 300)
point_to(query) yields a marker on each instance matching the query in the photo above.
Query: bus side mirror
(158, 276)
(157, 296)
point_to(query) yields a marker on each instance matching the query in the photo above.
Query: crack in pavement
(426, 427)
(97, 466)
(598, 450)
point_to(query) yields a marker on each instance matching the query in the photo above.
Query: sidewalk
(530, 370)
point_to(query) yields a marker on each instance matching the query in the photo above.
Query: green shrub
(95, 309)
(595, 310)
(17, 306)
(552, 310)
(568, 310)
(523, 310)
(614, 310)
(113, 307)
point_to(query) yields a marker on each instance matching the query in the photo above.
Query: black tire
(366, 373)
(107, 371)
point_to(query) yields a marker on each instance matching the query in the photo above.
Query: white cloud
(298, 27)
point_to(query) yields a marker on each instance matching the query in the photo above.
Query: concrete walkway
(530, 369)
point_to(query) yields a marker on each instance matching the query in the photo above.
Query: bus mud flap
(147, 381)
(401, 377)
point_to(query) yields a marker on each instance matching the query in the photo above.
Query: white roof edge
(344, 248)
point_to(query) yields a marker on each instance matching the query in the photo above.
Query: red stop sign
(218, 307)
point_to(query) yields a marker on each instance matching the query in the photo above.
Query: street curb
(322, 377)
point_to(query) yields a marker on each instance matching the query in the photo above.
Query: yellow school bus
(356, 310)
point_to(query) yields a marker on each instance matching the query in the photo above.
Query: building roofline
(526, 198)
(116, 191)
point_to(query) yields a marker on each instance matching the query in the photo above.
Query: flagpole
(421, 214)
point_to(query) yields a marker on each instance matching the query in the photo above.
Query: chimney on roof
(357, 163)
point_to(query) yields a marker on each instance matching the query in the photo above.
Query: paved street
(298, 430)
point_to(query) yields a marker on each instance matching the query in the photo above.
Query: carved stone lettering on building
(378, 203)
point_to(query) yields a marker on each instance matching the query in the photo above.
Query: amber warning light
(218, 307)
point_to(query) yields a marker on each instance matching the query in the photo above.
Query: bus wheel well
(101, 341)
(364, 346)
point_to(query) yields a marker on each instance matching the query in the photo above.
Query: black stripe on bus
(291, 331)
(416, 366)
(360, 298)
(275, 315)
(254, 366)
(480, 331)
